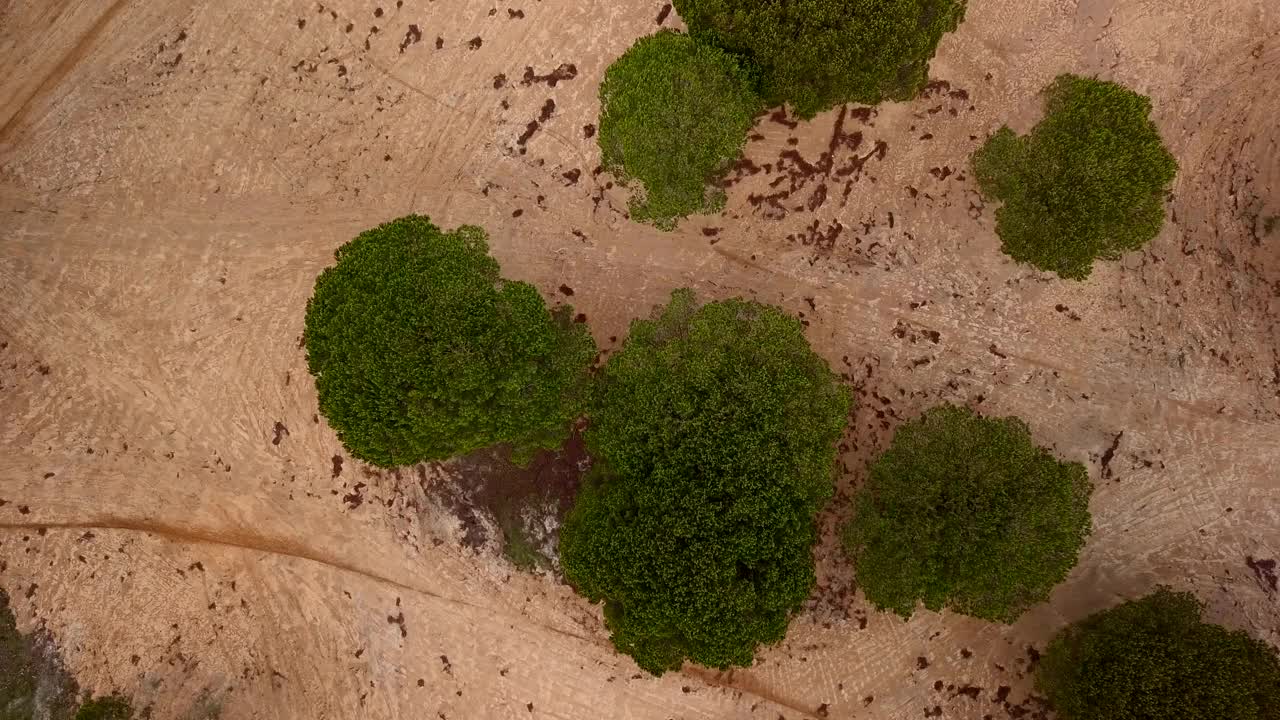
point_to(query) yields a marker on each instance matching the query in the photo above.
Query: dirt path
(169, 196)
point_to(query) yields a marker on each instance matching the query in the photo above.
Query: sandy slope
(174, 174)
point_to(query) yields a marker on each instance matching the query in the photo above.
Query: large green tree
(421, 351)
(1155, 659)
(965, 512)
(816, 54)
(674, 115)
(1087, 183)
(713, 429)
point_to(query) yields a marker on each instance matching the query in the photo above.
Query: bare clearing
(174, 174)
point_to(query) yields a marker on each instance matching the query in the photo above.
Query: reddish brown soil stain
(566, 290)
(1109, 454)
(280, 431)
(337, 465)
(588, 131)
(355, 498)
(822, 240)
(529, 131)
(566, 71)
(663, 13)
(499, 81)
(571, 177)
(780, 116)
(398, 619)
(475, 43)
(412, 36)
(797, 173)
(515, 14)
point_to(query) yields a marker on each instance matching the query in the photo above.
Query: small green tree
(1088, 182)
(816, 54)
(421, 351)
(109, 707)
(965, 512)
(713, 430)
(1154, 659)
(674, 115)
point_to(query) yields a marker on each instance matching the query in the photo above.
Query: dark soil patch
(1265, 571)
(565, 71)
(33, 680)
(488, 483)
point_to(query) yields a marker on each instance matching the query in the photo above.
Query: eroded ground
(174, 174)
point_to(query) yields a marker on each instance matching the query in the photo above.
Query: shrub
(111, 707)
(965, 512)
(1087, 182)
(816, 54)
(674, 115)
(713, 430)
(1154, 659)
(421, 351)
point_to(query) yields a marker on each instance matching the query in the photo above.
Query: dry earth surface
(174, 174)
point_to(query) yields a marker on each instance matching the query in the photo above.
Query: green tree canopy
(421, 351)
(1088, 181)
(816, 54)
(713, 429)
(1154, 659)
(965, 512)
(674, 116)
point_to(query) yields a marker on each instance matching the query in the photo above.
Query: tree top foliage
(421, 351)
(965, 512)
(1088, 182)
(816, 54)
(674, 115)
(1154, 659)
(713, 429)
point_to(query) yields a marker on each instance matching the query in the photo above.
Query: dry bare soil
(174, 174)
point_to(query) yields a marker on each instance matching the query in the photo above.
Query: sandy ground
(174, 174)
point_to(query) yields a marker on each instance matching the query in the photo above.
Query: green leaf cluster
(713, 430)
(965, 512)
(421, 351)
(674, 115)
(1154, 659)
(1088, 182)
(816, 54)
